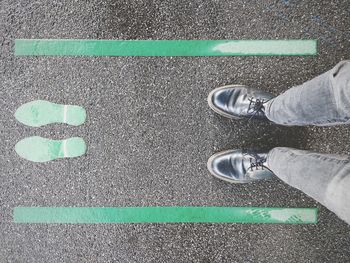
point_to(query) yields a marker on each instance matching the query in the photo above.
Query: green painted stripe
(89, 215)
(90, 47)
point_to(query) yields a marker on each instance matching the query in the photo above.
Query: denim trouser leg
(324, 177)
(322, 101)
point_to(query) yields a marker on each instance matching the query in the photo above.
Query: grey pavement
(150, 131)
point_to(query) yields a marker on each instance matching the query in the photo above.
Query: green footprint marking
(38, 149)
(40, 112)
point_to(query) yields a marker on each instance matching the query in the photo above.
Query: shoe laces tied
(256, 106)
(256, 162)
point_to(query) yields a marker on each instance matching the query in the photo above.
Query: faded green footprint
(40, 112)
(39, 149)
(285, 215)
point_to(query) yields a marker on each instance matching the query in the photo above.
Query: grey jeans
(324, 100)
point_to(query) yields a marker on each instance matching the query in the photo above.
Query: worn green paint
(91, 215)
(40, 112)
(38, 149)
(91, 47)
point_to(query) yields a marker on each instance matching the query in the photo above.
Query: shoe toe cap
(221, 167)
(220, 98)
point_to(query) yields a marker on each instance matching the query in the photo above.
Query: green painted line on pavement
(91, 215)
(91, 47)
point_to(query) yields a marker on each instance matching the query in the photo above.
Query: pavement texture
(150, 131)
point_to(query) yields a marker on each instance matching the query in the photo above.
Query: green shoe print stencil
(39, 149)
(40, 112)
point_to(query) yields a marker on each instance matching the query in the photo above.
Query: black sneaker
(239, 101)
(237, 166)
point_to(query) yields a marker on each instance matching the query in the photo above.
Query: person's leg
(322, 101)
(324, 177)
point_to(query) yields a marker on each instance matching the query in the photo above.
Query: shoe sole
(217, 110)
(209, 165)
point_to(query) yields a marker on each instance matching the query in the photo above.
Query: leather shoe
(239, 101)
(238, 166)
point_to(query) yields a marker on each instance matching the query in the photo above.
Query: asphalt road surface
(150, 131)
